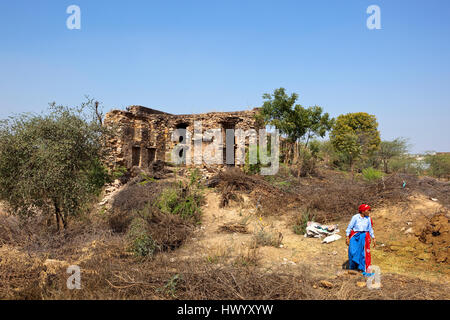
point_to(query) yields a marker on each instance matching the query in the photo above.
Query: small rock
(281, 246)
(361, 284)
(172, 259)
(314, 286)
(334, 253)
(326, 284)
(376, 285)
(409, 231)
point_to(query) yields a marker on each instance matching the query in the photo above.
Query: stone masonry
(145, 135)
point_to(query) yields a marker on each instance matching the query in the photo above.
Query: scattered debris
(233, 228)
(332, 238)
(317, 230)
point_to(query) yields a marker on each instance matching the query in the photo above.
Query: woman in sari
(359, 233)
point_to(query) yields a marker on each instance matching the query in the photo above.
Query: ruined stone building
(144, 135)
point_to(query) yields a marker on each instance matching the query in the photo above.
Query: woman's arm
(349, 229)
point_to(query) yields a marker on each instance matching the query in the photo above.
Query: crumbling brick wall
(144, 135)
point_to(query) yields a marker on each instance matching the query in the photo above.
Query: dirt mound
(436, 233)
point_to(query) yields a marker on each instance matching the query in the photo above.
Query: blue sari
(356, 251)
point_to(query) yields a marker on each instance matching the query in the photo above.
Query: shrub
(140, 241)
(184, 199)
(265, 238)
(302, 222)
(407, 165)
(119, 222)
(252, 168)
(439, 165)
(370, 174)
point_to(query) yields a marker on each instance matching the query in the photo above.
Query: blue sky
(196, 56)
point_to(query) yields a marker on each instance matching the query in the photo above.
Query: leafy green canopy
(356, 135)
(391, 149)
(51, 162)
(294, 121)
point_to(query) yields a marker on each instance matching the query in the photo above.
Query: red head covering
(364, 208)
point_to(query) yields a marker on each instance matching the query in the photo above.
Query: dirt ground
(398, 251)
(246, 249)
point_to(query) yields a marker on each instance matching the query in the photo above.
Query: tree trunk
(385, 166)
(57, 214)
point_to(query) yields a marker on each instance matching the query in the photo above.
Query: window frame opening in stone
(135, 156)
(151, 155)
(228, 124)
(184, 126)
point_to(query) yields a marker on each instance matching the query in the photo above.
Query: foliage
(294, 121)
(254, 168)
(51, 162)
(439, 165)
(371, 174)
(356, 136)
(140, 240)
(407, 164)
(301, 222)
(391, 149)
(184, 199)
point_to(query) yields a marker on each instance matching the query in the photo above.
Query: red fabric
(367, 255)
(364, 208)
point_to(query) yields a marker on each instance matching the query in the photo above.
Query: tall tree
(391, 149)
(359, 127)
(294, 121)
(51, 162)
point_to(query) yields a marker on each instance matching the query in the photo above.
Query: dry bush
(394, 287)
(338, 196)
(268, 199)
(137, 194)
(119, 221)
(168, 231)
(263, 238)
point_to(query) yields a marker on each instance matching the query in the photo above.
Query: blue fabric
(356, 256)
(360, 224)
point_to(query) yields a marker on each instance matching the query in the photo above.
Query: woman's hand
(374, 242)
(347, 241)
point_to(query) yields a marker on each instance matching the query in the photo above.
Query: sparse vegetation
(301, 221)
(371, 174)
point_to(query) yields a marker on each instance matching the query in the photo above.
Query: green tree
(294, 121)
(51, 162)
(349, 147)
(356, 135)
(391, 149)
(439, 165)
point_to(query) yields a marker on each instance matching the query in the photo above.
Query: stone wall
(144, 135)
